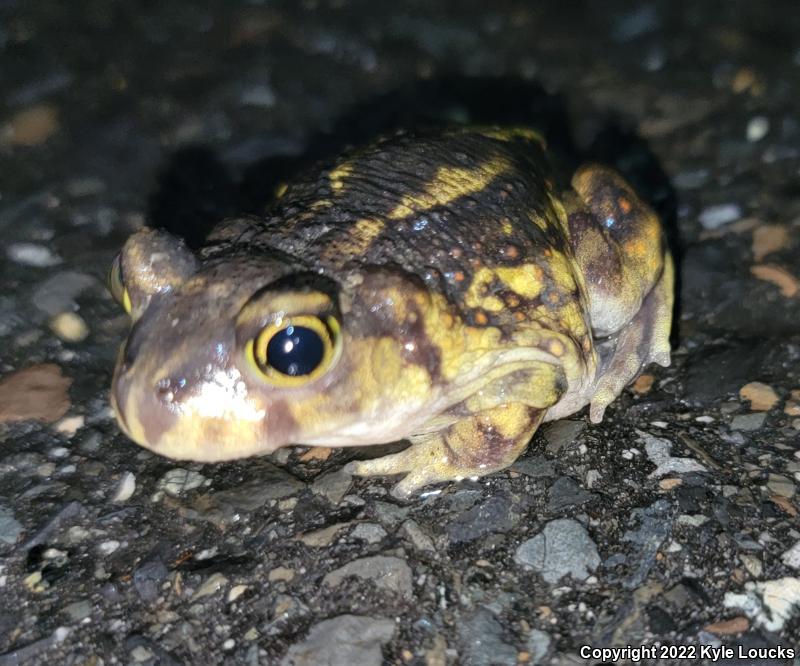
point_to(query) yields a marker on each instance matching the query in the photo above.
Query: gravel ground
(673, 523)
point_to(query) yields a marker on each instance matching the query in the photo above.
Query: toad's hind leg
(473, 446)
(620, 248)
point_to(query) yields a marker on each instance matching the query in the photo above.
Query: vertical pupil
(296, 350)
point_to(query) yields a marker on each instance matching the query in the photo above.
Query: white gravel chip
(791, 558)
(714, 217)
(32, 254)
(125, 488)
(768, 604)
(563, 548)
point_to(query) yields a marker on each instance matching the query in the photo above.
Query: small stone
(593, 477)
(792, 408)
(369, 532)
(480, 638)
(563, 548)
(32, 254)
(669, 484)
(788, 284)
(213, 584)
(791, 558)
(37, 393)
(757, 128)
(781, 486)
(748, 422)
(31, 126)
(565, 493)
(692, 520)
(260, 95)
(560, 434)
(769, 238)
(761, 397)
(752, 564)
(125, 488)
(736, 625)
(236, 591)
(784, 505)
(320, 453)
(58, 292)
(69, 327)
(658, 451)
(147, 578)
(387, 573)
(714, 217)
(108, 547)
(10, 527)
(78, 610)
(419, 539)
(535, 466)
(538, 645)
(280, 574)
(178, 481)
(345, 640)
(321, 537)
(70, 425)
(333, 486)
(769, 604)
(643, 384)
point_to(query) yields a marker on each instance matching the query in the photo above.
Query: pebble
(493, 515)
(535, 466)
(333, 486)
(78, 610)
(736, 625)
(714, 217)
(769, 604)
(10, 527)
(658, 451)
(345, 640)
(769, 238)
(387, 573)
(69, 327)
(280, 574)
(70, 425)
(147, 578)
(58, 293)
(369, 532)
(565, 493)
(178, 481)
(31, 126)
(761, 397)
(321, 537)
(791, 558)
(125, 488)
(757, 128)
(781, 486)
(236, 591)
(748, 422)
(560, 434)
(37, 393)
(213, 584)
(108, 547)
(787, 283)
(563, 548)
(419, 539)
(32, 254)
(480, 638)
(538, 645)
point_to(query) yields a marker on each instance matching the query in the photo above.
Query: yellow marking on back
(338, 175)
(449, 184)
(512, 134)
(525, 280)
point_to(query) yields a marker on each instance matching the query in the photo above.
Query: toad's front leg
(471, 447)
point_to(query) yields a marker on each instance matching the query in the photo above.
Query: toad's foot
(475, 446)
(644, 340)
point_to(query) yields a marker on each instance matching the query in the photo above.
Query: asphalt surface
(673, 525)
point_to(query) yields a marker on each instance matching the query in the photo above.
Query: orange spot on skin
(519, 316)
(458, 276)
(552, 297)
(556, 348)
(511, 251)
(481, 319)
(456, 252)
(512, 301)
(624, 205)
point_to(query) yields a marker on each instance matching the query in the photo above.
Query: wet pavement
(673, 523)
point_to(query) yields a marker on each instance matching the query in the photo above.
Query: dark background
(117, 114)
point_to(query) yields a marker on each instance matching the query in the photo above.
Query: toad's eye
(116, 284)
(296, 351)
